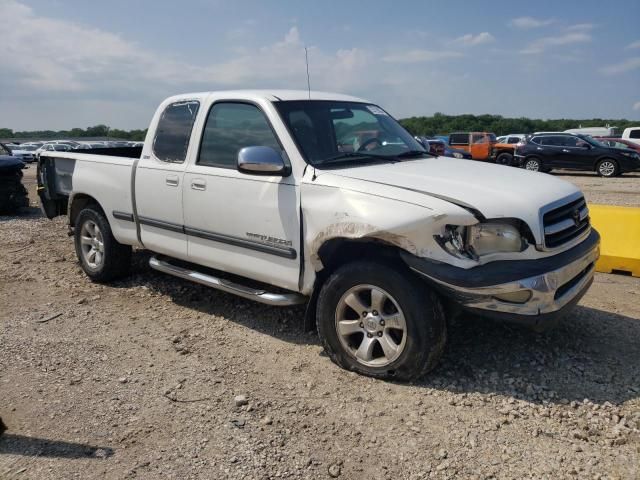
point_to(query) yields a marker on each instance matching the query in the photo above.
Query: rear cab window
(459, 139)
(173, 132)
(634, 133)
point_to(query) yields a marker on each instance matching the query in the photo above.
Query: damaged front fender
(332, 210)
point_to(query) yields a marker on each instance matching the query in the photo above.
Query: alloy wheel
(607, 169)
(92, 244)
(371, 325)
(532, 165)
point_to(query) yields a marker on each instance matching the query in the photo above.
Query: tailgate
(55, 184)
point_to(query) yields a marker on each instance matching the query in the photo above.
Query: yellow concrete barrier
(619, 229)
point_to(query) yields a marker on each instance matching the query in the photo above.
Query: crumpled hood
(494, 190)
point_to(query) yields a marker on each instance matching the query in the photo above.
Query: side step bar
(262, 296)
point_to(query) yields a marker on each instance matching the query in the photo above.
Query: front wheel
(101, 256)
(378, 320)
(607, 168)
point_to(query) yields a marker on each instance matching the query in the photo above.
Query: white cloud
(470, 40)
(47, 55)
(636, 106)
(635, 44)
(542, 44)
(530, 22)
(420, 56)
(581, 27)
(622, 67)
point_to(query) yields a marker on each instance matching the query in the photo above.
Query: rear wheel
(607, 168)
(377, 320)
(532, 164)
(101, 256)
(505, 158)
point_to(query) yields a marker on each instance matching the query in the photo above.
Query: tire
(607, 168)
(101, 256)
(532, 164)
(405, 303)
(505, 158)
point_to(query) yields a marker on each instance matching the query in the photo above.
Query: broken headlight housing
(483, 238)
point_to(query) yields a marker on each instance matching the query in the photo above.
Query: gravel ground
(623, 190)
(153, 377)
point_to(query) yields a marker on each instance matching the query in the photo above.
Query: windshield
(330, 131)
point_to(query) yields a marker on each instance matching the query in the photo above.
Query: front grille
(563, 224)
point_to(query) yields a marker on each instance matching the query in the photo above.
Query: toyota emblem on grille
(576, 217)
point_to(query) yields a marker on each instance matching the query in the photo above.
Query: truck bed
(55, 173)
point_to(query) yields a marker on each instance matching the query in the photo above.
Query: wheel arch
(338, 251)
(80, 201)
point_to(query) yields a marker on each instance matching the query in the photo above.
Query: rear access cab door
(159, 178)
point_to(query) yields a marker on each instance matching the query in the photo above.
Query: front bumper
(554, 284)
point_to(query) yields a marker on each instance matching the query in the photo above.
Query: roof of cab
(271, 95)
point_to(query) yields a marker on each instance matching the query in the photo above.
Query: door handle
(565, 150)
(538, 148)
(198, 184)
(172, 180)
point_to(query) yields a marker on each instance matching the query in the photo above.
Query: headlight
(482, 239)
(486, 238)
(457, 155)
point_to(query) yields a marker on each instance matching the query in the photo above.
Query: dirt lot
(138, 379)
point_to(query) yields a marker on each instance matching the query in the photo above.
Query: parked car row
(29, 151)
(544, 151)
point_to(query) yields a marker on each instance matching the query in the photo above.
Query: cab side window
(478, 138)
(174, 131)
(230, 127)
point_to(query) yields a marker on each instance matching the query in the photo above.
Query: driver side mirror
(262, 161)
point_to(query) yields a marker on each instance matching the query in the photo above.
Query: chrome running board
(262, 296)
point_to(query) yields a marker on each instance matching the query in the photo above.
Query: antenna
(306, 59)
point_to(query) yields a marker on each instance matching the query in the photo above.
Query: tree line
(440, 124)
(95, 131)
(437, 124)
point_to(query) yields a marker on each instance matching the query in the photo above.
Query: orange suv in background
(480, 145)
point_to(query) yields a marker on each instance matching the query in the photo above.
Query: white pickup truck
(287, 197)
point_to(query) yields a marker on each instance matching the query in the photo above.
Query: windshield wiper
(414, 153)
(346, 156)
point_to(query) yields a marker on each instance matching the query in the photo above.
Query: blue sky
(70, 63)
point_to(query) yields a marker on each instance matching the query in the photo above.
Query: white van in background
(595, 131)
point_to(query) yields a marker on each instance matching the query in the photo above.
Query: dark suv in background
(545, 151)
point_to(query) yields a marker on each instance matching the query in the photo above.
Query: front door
(236, 222)
(159, 178)
(580, 152)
